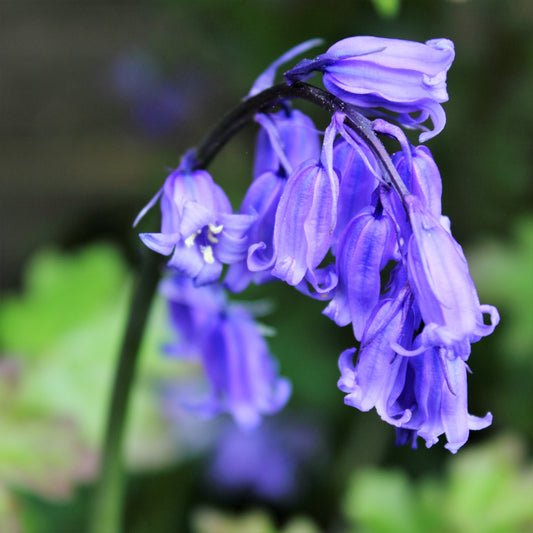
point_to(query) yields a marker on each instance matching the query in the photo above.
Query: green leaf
(490, 490)
(61, 292)
(502, 272)
(487, 489)
(208, 520)
(55, 386)
(381, 502)
(387, 8)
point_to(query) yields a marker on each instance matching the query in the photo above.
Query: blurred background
(97, 100)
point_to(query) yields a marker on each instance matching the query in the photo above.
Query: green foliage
(502, 272)
(59, 296)
(60, 339)
(487, 490)
(211, 521)
(387, 8)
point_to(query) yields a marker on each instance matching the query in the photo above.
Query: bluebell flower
(440, 279)
(401, 76)
(334, 222)
(286, 140)
(433, 400)
(371, 382)
(423, 395)
(307, 215)
(357, 169)
(198, 229)
(191, 311)
(367, 244)
(240, 373)
(268, 462)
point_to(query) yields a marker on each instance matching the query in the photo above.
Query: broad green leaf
(55, 385)
(61, 292)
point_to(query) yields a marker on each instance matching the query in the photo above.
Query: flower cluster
(340, 220)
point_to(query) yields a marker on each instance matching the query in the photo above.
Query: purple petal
(160, 242)
(445, 292)
(303, 226)
(187, 260)
(286, 139)
(357, 182)
(266, 79)
(362, 253)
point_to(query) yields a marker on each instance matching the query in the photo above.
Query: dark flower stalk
(242, 114)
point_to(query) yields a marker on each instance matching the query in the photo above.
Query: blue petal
(286, 140)
(295, 206)
(266, 79)
(357, 182)
(445, 292)
(363, 251)
(187, 260)
(160, 242)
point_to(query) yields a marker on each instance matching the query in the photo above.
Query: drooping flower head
(432, 392)
(345, 222)
(423, 395)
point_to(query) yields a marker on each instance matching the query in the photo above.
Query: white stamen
(207, 253)
(189, 241)
(212, 231)
(215, 229)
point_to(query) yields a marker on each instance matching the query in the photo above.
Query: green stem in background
(108, 510)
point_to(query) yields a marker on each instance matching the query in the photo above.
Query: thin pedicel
(244, 113)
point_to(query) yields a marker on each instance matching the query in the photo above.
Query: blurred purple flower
(268, 462)
(240, 373)
(158, 103)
